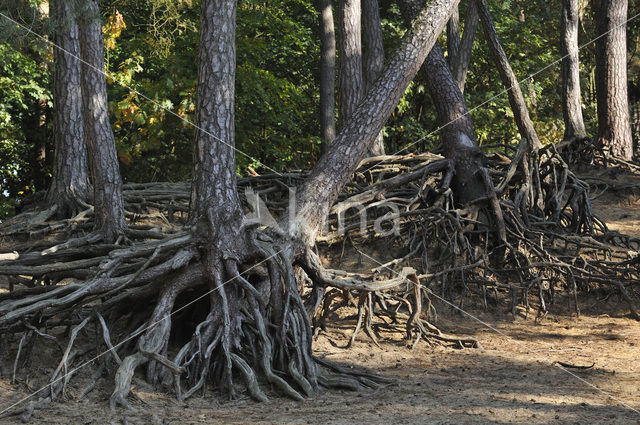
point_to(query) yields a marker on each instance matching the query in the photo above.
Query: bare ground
(512, 379)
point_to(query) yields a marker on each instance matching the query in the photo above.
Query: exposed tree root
(249, 320)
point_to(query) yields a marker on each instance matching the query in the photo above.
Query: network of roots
(192, 316)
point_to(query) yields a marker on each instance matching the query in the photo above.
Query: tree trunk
(461, 65)
(327, 74)
(350, 59)
(70, 184)
(458, 135)
(107, 184)
(571, 101)
(214, 189)
(373, 56)
(453, 37)
(320, 190)
(614, 129)
(516, 99)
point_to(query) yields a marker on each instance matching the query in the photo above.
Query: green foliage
(24, 97)
(152, 48)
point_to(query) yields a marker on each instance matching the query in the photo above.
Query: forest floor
(514, 378)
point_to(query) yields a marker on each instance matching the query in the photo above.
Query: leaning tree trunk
(327, 74)
(107, 184)
(516, 99)
(571, 100)
(461, 65)
(70, 186)
(614, 129)
(350, 59)
(471, 178)
(373, 56)
(320, 190)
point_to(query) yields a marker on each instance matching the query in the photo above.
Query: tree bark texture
(571, 100)
(320, 190)
(373, 54)
(516, 99)
(350, 59)
(453, 37)
(70, 182)
(453, 118)
(214, 190)
(614, 129)
(107, 184)
(461, 65)
(327, 72)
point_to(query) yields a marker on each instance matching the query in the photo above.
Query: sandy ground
(514, 378)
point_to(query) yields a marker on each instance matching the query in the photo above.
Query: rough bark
(373, 54)
(350, 59)
(70, 185)
(327, 73)
(214, 188)
(614, 129)
(571, 100)
(321, 188)
(516, 99)
(461, 65)
(470, 181)
(453, 117)
(453, 37)
(107, 196)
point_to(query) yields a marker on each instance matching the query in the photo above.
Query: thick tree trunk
(350, 59)
(516, 99)
(373, 53)
(453, 37)
(107, 184)
(461, 65)
(614, 129)
(214, 190)
(70, 185)
(571, 101)
(328, 177)
(327, 73)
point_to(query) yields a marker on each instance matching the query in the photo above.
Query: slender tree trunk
(327, 73)
(350, 59)
(214, 194)
(320, 190)
(571, 101)
(516, 99)
(614, 129)
(107, 184)
(373, 55)
(453, 37)
(70, 185)
(461, 65)
(215, 206)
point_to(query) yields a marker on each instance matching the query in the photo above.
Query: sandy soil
(512, 379)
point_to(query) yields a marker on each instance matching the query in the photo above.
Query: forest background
(152, 49)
